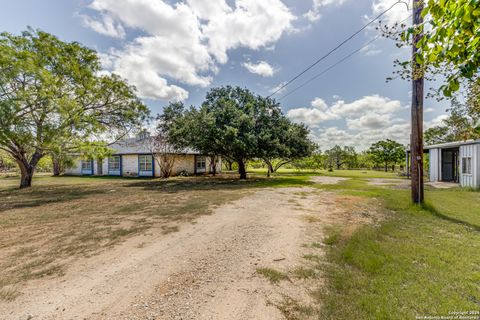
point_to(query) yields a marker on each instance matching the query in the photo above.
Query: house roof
(452, 144)
(139, 146)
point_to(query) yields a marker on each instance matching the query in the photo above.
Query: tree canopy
(237, 124)
(338, 157)
(53, 97)
(387, 152)
(450, 42)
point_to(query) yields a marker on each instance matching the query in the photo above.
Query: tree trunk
(213, 165)
(269, 168)
(386, 167)
(56, 166)
(229, 165)
(241, 169)
(26, 172)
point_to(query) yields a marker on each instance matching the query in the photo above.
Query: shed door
(450, 165)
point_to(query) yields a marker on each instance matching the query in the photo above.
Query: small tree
(293, 143)
(51, 92)
(338, 157)
(387, 152)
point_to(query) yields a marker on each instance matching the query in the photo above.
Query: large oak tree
(54, 96)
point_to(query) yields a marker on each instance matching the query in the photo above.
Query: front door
(450, 165)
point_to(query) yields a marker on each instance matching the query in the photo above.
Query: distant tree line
(382, 155)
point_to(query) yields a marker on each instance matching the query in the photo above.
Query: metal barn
(457, 162)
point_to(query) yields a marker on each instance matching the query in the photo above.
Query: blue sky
(177, 50)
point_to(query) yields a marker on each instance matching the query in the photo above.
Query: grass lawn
(335, 173)
(417, 262)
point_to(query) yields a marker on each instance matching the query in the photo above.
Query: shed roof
(452, 144)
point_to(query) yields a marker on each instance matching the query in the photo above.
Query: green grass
(418, 261)
(274, 276)
(335, 173)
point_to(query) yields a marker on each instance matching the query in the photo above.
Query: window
(467, 165)
(114, 163)
(201, 163)
(145, 162)
(86, 165)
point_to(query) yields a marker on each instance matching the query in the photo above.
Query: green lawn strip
(335, 173)
(419, 261)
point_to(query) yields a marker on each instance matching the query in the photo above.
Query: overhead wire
(336, 63)
(334, 49)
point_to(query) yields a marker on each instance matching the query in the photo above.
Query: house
(457, 162)
(134, 157)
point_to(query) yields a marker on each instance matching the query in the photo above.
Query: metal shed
(457, 162)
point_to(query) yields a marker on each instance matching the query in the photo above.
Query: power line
(336, 63)
(329, 68)
(334, 49)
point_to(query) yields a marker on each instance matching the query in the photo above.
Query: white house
(134, 158)
(457, 162)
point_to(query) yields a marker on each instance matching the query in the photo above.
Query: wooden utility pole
(416, 138)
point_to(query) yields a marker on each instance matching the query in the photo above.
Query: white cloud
(278, 88)
(253, 24)
(397, 14)
(319, 104)
(261, 68)
(373, 103)
(318, 112)
(365, 120)
(106, 26)
(314, 14)
(310, 116)
(437, 121)
(371, 50)
(185, 42)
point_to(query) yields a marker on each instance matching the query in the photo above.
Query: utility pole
(416, 138)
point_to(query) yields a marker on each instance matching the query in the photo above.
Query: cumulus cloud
(105, 25)
(372, 103)
(261, 68)
(186, 41)
(365, 120)
(314, 14)
(398, 13)
(318, 113)
(437, 121)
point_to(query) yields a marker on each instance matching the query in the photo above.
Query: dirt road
(206, 270)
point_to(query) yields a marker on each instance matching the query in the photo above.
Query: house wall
(184, 163)
(434, 165)
(130, 165)
(476, 168)
(105, 167)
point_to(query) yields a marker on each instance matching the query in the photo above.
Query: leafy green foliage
(387, 152)
(235, 123)
(53, 98)
(450, 41)
(339, 157)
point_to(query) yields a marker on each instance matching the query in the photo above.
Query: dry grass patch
(45, 228)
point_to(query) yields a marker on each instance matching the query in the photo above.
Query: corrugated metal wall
(434, 164)
(471, 151)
